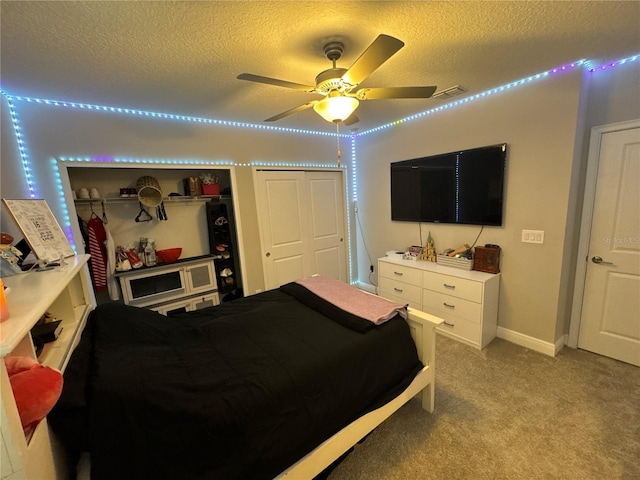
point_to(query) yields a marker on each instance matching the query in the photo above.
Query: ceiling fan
(338, 85)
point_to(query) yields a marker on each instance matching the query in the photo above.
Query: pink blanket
(350, 299)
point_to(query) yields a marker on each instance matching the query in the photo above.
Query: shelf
(56, 354)
(166, 200)
(162, 265)
(32, 294)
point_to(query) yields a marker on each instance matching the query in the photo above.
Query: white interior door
(326, 214)
(610, 320)
(284, 227)
(301, 216)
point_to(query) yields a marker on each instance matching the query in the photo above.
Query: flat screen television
(463, 187)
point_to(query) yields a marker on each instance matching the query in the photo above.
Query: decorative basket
(462, 263)
(149, 192)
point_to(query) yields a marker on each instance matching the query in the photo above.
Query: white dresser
(467, 300)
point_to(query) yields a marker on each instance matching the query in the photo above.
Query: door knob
(268, 254)
(600, 260)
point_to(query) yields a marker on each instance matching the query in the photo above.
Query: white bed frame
(423, 330)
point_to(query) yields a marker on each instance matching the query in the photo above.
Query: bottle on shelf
(150, 258)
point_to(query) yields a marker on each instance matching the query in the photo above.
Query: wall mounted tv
(464, 187)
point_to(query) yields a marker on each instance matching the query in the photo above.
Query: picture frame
(40, 229)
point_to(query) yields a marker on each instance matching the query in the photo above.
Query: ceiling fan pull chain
(338, 141)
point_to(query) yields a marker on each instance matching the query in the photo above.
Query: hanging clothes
(97, 238)
(110, 246)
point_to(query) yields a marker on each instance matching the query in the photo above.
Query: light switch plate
(533, 236)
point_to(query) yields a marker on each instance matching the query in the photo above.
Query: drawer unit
(455, 286)
(402, 293)
(400, 284)
(155, 286)
(190, 304)
(400, 273)
(466, 300)
(460, 329)
(450, 305)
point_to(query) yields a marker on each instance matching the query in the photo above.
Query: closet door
(301, 216)
(326, 209)
(284, 226)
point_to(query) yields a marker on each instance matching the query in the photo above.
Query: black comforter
(241, 390)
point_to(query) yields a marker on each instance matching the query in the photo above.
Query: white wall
(538, 122)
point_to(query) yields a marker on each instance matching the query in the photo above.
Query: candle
(4, 308)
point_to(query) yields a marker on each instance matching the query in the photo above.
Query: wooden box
(487, 259)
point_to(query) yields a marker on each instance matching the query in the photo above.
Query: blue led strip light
(22, 148)
(147, 161)
(561, 69)
(166, 116)
(66, 220)
(354, 197)
(590, 64)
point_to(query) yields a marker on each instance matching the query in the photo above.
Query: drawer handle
(447, 324)
(446, 285)
(448, 305)
(398, 273)
(399, 290)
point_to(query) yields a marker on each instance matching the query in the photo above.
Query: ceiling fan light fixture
(336, 108)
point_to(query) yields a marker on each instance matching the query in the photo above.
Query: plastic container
(150, 258)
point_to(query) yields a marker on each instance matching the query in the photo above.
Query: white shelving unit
(66, 293)
(186, 285)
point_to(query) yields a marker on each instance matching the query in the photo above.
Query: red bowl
(169, 255)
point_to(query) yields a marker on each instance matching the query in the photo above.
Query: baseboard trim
(532, 343)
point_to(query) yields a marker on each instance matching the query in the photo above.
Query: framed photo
(40, 229)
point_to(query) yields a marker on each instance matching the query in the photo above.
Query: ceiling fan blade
(274, 81)
(375, 55)
(394, 92)
(351, 119)
(292, 111)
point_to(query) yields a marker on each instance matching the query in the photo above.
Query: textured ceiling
(183, 57)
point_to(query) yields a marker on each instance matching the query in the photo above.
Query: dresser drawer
(401, 273)
(451, 305)
(449, 285)
(461, 329)
(401, 292)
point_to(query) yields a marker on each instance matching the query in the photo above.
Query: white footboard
(423, 330)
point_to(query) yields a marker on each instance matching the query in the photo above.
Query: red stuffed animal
(36, 389)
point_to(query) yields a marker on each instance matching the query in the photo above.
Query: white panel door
(302, 225)
(326, 214)
(284, 226)
(610, 322)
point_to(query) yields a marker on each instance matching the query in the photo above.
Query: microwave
(151, 286)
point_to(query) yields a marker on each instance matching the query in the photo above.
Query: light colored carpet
(508, 412)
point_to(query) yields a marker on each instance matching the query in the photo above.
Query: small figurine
(428, 253)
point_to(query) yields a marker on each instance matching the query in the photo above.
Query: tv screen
(465, 187)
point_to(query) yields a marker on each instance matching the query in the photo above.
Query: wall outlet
(533, 236)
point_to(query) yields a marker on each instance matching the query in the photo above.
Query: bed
(275, 385)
